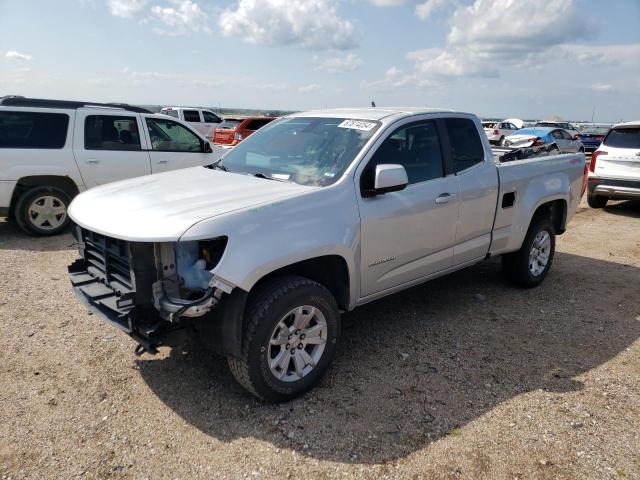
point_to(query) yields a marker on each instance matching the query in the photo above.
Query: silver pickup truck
(315, 214)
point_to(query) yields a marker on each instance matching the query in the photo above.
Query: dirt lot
(464, 377)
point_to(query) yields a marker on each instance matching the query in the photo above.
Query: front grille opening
(109, 260)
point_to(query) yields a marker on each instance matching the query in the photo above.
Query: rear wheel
(42, 211)
(597, 201)
(290, 333)
(529, 266)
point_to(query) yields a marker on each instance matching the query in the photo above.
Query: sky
(496, 58)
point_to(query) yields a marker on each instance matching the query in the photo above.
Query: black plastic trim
(19, 101)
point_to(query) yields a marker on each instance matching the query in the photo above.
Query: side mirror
(206, 147)
(390, 177)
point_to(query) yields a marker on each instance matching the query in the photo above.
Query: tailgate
(619, 163)
(223, 135)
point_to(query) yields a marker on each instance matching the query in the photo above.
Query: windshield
(623, 138)
(554, 125)
(595, 130)
(303, 150)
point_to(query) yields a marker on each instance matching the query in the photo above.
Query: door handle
(445, 197)
(163, 161)
(92, 161)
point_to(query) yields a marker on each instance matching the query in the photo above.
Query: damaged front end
(153, 291)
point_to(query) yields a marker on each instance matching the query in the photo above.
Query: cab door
(174, 146)
(109, 146)
(409, 234)
(193, 118)
(210, 122)
(477, 176)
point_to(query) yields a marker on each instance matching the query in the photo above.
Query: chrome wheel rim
(297, 343)
(47, 212)
(540, 252)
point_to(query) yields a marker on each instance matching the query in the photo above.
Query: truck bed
(526, 183)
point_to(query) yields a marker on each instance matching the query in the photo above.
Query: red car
(233, 130)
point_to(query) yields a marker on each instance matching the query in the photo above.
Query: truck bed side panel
(534, 182)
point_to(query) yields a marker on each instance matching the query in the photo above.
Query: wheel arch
(24, 184)
(556, 210)
(331, 271)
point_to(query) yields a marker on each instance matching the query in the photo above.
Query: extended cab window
(416, 147)
(171, 113)
(33, 129)
(191, 116)
(210, 117)
(111, 132)
(170, 136)
(466, 147)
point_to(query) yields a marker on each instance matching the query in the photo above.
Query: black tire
(265, 309)
(597, 201)
(24, 215)
(516, 265)
(501, 142)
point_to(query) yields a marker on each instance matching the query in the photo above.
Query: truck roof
(634, 123)
(373, 113)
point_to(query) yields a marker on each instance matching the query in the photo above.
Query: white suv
(50, 150)
(497, 131)
(614, 171)
(204, 121)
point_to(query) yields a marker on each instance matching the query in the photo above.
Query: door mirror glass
(206, 147)
(390, 178)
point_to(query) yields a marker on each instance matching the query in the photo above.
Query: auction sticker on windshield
(358, 125)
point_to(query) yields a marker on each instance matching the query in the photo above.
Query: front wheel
(529, 266)
(291, 328)
(501, 142)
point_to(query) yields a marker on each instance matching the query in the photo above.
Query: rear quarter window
(191, 115)
(623, 138)
(33, 130)
(258, 123)
(229, 124)
(171, 113)
(466, 147)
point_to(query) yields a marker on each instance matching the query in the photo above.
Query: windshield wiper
(217, 165)
(262, 175)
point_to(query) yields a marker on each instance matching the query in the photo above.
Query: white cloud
(312, 25)
(184, 16)
(517, 26)
(627, 55)
(312, 87)
(490, 35)
(438, 62)
(423, 9)
(126, 8)
(393, 78)
(349, 63)
(389, 3)
(12, 54)
(602, 87)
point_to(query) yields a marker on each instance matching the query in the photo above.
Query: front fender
(267, 238)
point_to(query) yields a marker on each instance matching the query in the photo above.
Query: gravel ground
(464, 377)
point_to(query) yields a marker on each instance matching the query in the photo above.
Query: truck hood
(161, 207)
